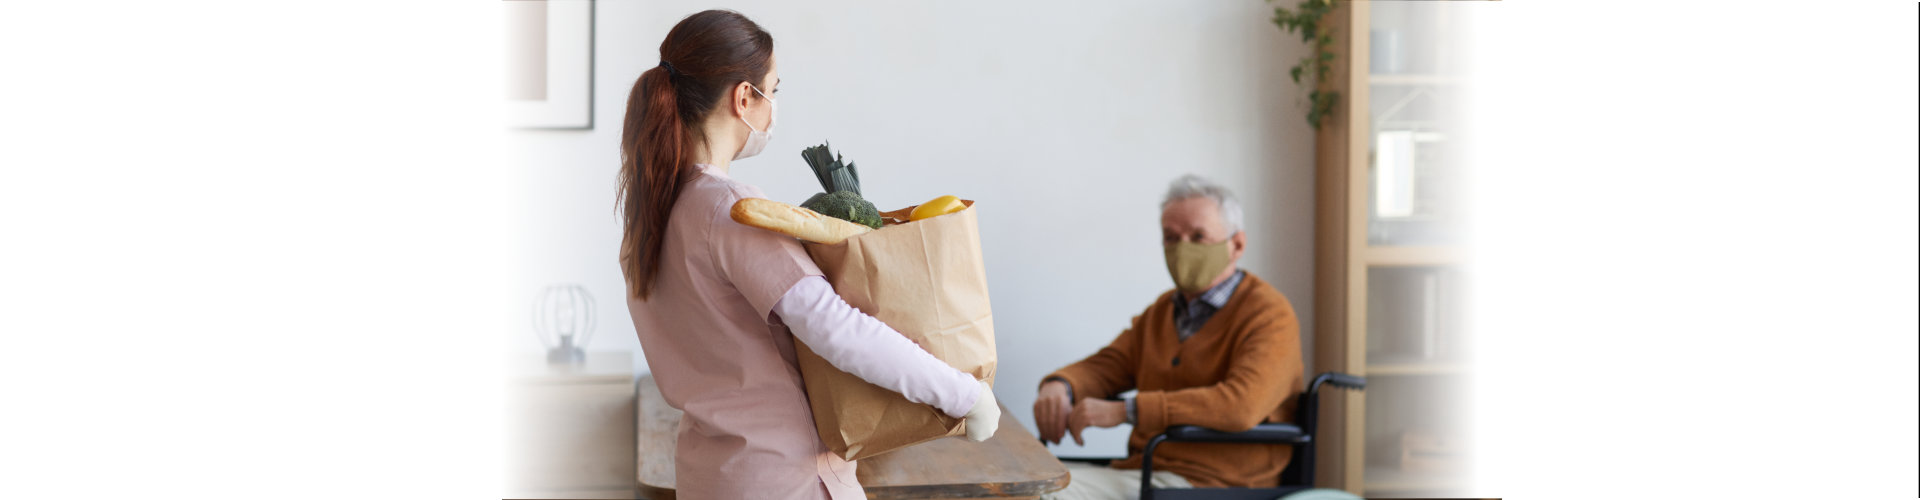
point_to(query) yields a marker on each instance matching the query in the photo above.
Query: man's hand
(1051, 409)
(1097, 413)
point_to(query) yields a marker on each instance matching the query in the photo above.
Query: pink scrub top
(708, 338)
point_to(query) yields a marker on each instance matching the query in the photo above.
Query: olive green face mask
(1195, 265)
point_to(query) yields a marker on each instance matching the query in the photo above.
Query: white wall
(1065, 120)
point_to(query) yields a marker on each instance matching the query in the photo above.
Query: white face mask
(757, 139)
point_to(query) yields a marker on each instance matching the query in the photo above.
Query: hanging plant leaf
(1304, 19)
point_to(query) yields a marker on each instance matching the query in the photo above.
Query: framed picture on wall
(549, 63)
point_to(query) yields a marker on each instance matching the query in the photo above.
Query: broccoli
(842, 184)
(845, 205)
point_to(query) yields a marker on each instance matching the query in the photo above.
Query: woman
(713, 301)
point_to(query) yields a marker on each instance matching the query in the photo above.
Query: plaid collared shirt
(1190, 315)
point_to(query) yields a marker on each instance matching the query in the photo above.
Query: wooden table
(1011, 464)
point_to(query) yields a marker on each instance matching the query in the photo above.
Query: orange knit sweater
(1240, 369)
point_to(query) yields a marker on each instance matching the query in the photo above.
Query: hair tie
(670, 71)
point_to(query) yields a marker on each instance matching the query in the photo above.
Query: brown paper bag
(925, 279)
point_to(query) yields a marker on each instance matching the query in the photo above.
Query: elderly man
(1221, 350)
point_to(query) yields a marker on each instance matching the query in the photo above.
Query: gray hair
(1194, 186)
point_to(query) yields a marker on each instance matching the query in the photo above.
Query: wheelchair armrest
(1270, 433)
(1337, 379)
(1273, 433)
(1276, 433)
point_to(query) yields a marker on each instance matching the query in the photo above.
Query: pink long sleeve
(863, 346)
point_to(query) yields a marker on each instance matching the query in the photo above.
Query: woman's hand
(1050, 410)
(984, 419)
(1096, 413)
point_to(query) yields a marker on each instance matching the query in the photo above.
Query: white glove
(984, 418)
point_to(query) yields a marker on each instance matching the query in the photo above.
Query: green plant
(1306, 19)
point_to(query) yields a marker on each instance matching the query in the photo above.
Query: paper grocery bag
(926, 279)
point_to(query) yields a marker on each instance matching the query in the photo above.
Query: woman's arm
(863, 346)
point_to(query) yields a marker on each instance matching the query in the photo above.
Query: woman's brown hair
(703, 57)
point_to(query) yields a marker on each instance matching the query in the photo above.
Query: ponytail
(655, 172)
(702, 56)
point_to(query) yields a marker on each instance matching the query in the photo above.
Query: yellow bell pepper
(938, 207)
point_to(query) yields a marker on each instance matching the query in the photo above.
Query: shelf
(1413, 79)
(1408, 256)
(600, 367)
(1391, 480)
(1414, 368)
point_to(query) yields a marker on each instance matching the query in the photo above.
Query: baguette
(794, 221)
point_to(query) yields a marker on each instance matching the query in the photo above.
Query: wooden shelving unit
(1393, 482)
(1412, 256)
(1391, 271)
(1417, 368)
(1416, 80)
